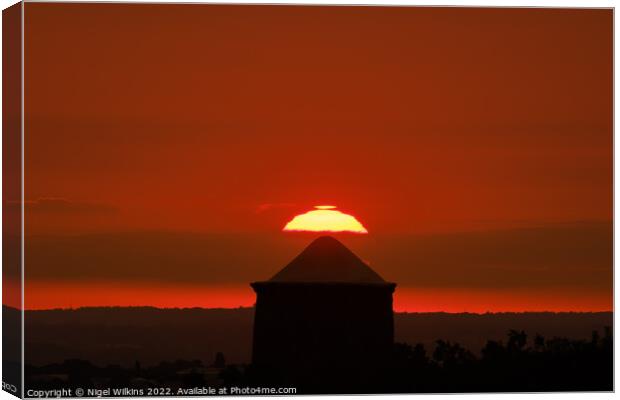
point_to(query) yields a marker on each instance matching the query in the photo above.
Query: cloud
(271, 206)
(578, 257)
(59, 205)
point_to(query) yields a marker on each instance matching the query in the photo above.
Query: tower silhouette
(326, 310)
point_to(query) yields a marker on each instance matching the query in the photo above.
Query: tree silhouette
(539, 342)
(220, 361)
(449, 354)
(516, 340)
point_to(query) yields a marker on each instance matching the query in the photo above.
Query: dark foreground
(507, 365)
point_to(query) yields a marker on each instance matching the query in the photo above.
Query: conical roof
(327, 260)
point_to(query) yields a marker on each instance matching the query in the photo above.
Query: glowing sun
(325, 219)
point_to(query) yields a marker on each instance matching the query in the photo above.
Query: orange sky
(482, 133)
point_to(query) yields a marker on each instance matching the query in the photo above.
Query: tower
(325, 310)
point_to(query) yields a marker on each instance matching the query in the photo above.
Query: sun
(325, 219)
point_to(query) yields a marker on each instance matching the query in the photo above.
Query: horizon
(435, 296)
(87, 308)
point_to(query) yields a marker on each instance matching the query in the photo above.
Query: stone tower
(325, 310)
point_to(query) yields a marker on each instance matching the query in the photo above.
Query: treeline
(554, 364)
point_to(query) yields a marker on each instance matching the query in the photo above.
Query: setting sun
(325, 219)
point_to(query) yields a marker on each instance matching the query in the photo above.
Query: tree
(539, 342)
(448, 354)
(220, 361)
(516, 340)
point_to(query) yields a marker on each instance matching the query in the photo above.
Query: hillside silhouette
(124, 335)
(506, 365)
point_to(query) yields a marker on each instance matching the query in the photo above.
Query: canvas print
(207, 199)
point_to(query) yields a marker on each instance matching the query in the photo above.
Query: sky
(168, 145)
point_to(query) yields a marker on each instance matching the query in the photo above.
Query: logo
(9, 388)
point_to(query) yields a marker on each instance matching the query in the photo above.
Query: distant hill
(150, 335)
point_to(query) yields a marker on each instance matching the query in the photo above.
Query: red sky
(473, 144)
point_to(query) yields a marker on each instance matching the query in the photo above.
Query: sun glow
(325, 219)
